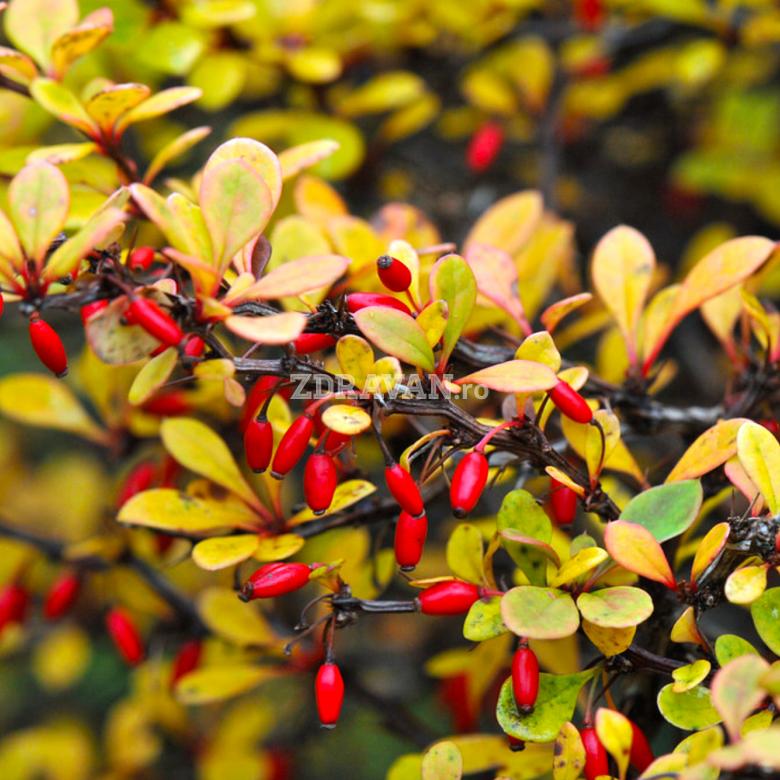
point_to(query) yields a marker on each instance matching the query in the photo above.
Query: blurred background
(662, 114)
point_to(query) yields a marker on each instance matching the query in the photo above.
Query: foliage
(610, 519)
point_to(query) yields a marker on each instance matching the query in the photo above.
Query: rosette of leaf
(105, 113)
(49, 38)
(39, 201)
(217, 240)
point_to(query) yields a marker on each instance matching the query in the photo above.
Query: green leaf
(667, 510)
(484, 620)
(39, 199)
(766, 618)
(690, 710)
(236, 205)
(554, 706)
(618, 607)
(60, 102)
(453, 280)
(397, 334)
(170, 47)
(539, 613)
(519, 512)
(730, 646)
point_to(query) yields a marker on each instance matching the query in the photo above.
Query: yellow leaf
(165, 509)
(274, 329)
(689, 676)
(232, 620)
(442, 762)
(161, 103)
(60, 102)
(464, 553)
(277, 548)
(223, 551)
(385, 374)
(198, 448)
(745, 585)
(298, 158)
(355, 358)
(581, 563)
(685, 629)
(759, 454)
(635, 548)
(615, 733)
(709, 549)
(610, 641)
(622, 269)
(347, 493)
(78, 41)
(712, 449)
(540, 348)
(153, 376)
(384, 92)
(46, 402)
(349, 420)
(217, 683)
(514, 376)
(173, 150)
(568, 754)
(509, 223)
(564, 479)
(61, 658)
(107, 105)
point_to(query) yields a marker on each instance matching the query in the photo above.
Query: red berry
(146, 313)
(410, 533)
(88, 310)
(641, 753)
(334, 441)
(596, 762)
(194, 346)
(187, 659)
(571, 403)
(14, 600)
(454, 694)
(319, 482)
(589, 13)
(256, 397)
(62, 595)
(358, 301)
(525, 678)
(564, 502)
(453, 597)
(307, 343)
(393, 274)
(167, 404)
(275, 579)
(125, 636)
(329, 693)
(140, 478)
(48, 346)
(515, 744)
(484, 147)
(292, 446)
(468, 482)
(142, 258)
(258, 445)
(404, 489)
(163, 543)
(2, 304)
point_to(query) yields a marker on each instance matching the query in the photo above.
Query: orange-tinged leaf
(712, 449)
(618, 607)
(635, 548)
(555, 312)
(709, 549)
(298, 158)
(759, 453)
(508, 223)
(174, 150)
(514, 376)
(17, 66)
(496, 275)
(161, 103)
(736, 691)
(296, 277)
(39, 198)
(236, 206)
(80, 40)
(34, 25)
(727, 265)
(59, 101)
(199, 449)
(622, 269)
(397, 334)
(274, 329)
(107, 105)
